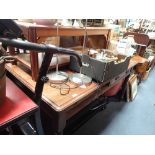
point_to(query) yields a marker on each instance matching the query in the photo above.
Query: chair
(113, 91)
(20, 104)
(140, 39)
(16, 109)
(108, 94)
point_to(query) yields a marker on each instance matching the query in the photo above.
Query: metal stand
(79, 78)
(57, 76)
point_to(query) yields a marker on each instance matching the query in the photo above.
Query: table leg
(33, 55)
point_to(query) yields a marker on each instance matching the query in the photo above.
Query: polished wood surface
(136, 60)
(23, 61)
(139, 59)
(39, 33)
(51, 95)
(46, 31)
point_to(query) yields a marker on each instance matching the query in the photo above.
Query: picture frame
(132, 87)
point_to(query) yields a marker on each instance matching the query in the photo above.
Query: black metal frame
(12, 122)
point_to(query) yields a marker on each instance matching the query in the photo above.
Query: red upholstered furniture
(109, 93)
(16, 107)
(112, 92)
(115, 89)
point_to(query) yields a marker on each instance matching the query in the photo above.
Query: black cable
(61, 88)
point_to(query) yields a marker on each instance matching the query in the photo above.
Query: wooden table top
(46, 31)
(52, 95)
(136, 60)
